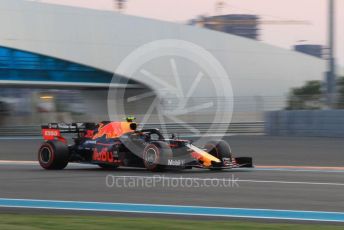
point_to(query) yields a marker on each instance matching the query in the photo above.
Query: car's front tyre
(155, 156)
(219, 149)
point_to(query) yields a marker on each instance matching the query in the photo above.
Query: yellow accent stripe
(204, 154)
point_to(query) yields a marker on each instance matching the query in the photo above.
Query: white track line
(6, 162)
(159, 177)
(22, 138)
(258, 168)
(35, 163)
(10, 162)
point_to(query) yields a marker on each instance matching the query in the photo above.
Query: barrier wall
(323, 123)
(248, 128)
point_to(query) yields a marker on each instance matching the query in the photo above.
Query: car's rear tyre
(219, 149)
(53, 155)
(155, 156)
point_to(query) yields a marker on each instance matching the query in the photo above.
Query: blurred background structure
(244, 25)
(310, 49)
(61, 68)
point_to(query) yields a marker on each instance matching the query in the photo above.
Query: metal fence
(320, 123)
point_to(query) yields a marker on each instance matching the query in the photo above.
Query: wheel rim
(45, 155)
(150, 157)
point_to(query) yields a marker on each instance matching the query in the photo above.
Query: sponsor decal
(115, 154)
(226, 161)
(103, 155)
(90, 142)
(51, 132)
(172, 162)
(53, 126)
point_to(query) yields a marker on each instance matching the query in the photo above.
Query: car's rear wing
(53, 131)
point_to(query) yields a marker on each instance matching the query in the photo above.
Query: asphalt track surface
(265, 150)
(268, 187)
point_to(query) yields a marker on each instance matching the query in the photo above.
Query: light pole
(119, 5)
(331, 72)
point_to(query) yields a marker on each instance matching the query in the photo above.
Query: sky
(312, 11)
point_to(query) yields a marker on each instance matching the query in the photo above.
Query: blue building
(17, 65)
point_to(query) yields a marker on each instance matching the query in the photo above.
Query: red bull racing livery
(114, 144)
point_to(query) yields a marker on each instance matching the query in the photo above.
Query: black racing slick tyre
(53, 155)
(219, 149)
(155, 156)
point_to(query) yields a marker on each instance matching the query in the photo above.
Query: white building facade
(167, 58)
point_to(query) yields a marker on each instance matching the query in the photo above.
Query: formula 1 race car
(114, 144)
